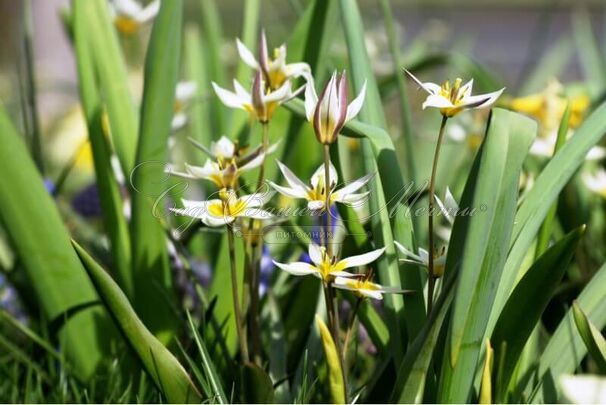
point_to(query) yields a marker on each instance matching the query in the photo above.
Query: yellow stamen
(126, 25)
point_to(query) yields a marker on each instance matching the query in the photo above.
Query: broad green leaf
(255, 385)
(385, 192)
(492, 192)
(152, 275)
(526, 305)
(544, 192)
(594, 341)
(335, 374)
(109, 190)
(565, 349)
(62, 292)
(113, 80)
(166, 371)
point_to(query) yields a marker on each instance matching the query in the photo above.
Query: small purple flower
(87, 202)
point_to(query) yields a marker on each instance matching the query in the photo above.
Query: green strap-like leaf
(478, 251)
(526, 305)
(40, 240)
(152, 275)
(161, 365)
(544, 192)
(565, 349)
(594, 341)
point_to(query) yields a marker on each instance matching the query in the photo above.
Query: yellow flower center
(229, 207)
(328, 265)
(319, 192)
(452, 93)
(126, 25)
(362, 284)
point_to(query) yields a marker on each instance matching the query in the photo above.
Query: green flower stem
(431, 279)
(234, 290)
(254, 250)
(350, 326)
(327, 205)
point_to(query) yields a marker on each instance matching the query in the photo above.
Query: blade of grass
(152, 274)
(166, 371)
(592, 337)
(218, 395)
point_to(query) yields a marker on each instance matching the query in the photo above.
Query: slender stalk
(333, 321)
(350, 326)
(327, 205)
(235, 295)
(36, 144)
(255, 260)
(431, 280)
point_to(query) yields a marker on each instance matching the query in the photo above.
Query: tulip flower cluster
(272, 85)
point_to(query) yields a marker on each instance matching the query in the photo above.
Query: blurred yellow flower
(548, 106)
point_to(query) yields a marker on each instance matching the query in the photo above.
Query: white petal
(179, 120)
(467, 88)
(149, 12)
(437, 102)
(407, 252)
(297, 268)
(203, 172)
(319, 173)
(356, 105)
(224, 147)
(289, 192)
(424, 256)
(316, 205)
(489, 98)
(295, 70)
(293, 181)
(230, 99)
(186, 90)
(354, 199)
(311, 99)
(246, 55)
(431, 88)
(344, 274)
(129, 8)
(279, 95)
(241, 91)
(315, 253)
(213, 221)
(352, 187)
(256, 162)
(596, 153)
(170, 169)
(542, 147)
(360, 260)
